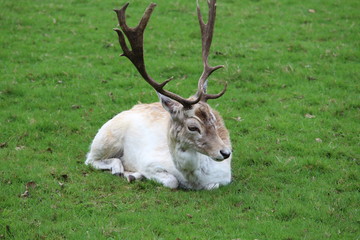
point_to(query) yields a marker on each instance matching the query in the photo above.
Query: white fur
(136, 144)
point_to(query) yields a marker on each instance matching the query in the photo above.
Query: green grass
(292, 106)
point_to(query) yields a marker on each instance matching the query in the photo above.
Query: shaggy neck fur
(198, 170)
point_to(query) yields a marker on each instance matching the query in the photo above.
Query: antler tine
(207, 30)
(135, 37)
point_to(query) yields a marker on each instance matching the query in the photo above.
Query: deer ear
(169, 105)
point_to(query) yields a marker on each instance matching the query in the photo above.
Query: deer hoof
(118, 174)
(131, 178)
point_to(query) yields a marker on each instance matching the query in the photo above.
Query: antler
(206, 37)
(135, 37)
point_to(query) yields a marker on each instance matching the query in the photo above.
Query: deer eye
(193, 129)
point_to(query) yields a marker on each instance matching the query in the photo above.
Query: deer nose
(225, 153)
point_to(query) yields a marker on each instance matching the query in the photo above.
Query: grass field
(292, 107)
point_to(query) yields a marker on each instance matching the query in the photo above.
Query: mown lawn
(292, 107)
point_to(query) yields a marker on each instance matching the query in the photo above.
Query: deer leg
(133, 176)
(112, 164)
(166, 179)
(211, 186)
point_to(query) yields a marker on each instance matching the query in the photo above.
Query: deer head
(194, 125)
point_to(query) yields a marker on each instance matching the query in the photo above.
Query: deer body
(179, 142)
(145, 142)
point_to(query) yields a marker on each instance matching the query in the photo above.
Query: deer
(178, 142)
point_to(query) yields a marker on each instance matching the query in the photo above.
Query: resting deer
(179, 142)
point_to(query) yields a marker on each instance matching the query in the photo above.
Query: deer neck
(197, 170)
(183, 156)
(191, 164)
